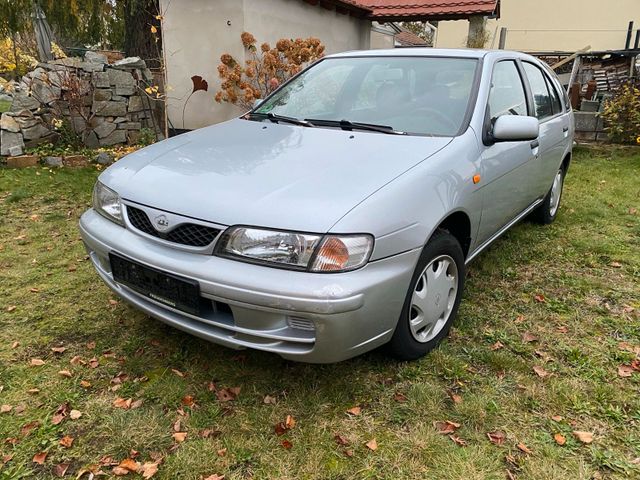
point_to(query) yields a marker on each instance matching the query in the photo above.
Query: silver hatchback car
(339, 214)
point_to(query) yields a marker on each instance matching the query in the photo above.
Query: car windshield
(418, 95)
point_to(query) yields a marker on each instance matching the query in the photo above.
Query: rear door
(506, 167)
(554, 125)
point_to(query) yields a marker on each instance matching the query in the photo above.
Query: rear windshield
(420, 95)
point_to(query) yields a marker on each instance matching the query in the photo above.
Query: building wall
(553, 25)
(197, 32)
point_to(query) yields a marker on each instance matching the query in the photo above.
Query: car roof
(415, 52)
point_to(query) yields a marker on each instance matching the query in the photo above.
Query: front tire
(433, 298)
(547, 212)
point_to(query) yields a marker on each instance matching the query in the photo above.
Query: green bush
(622, 116)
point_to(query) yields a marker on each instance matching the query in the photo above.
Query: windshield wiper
(349, 125)
(281, 118)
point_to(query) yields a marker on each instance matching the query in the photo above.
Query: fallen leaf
(562, 329)
(75, 414)
(37, 362)
(497, 346)
(510, 475)
(85, 384)
(188, 401)
(33, 391)
(584, 437)
(20, 408)
(5, 408)
(556, 418)
(269, 400)
(348, 452)
(15, 345)
(457, 399)
(148, 469)
(227, 394)
(58, 349)
(129, 464)
(529, 337)
(122, 403)
(340, 440)
(136, 404)
(497, 437)
(523, 448)
(34, 290)
(60, 470)
(446, 427)
(399, 397)
(93, 363)
(65, 373)
(222, 452)
(615, 265)
(457, 440)
(215, 477)
(40, 458)
(286, 444)
(289, 422)
(560, 439)
(66, 441)
(119, 471)
(28, 427)
(91, 345)
(372, 444)
(61, 412)
(355, 411)
(539, 298)
(625, 370)
(177, 372)
(541, 372)
(179, 437)
(11, 308)
(633, 211)
(209, 433)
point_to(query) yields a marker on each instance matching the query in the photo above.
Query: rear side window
(541, 99)
(555, 98)
(507, 96)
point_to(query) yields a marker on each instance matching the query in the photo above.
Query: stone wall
(103, 104)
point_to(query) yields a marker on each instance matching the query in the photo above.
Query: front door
(507, 168)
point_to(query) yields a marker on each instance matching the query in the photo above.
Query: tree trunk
(139, 40)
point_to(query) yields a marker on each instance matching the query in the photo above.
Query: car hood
(267, 174)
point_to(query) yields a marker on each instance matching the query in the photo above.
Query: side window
(507, 96)
(541, 97)
(555, 98)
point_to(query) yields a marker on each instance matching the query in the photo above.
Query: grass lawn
(563, 299)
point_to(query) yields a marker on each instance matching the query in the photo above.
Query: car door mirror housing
(514, 128)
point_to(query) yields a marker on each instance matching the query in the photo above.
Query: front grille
(190, 234)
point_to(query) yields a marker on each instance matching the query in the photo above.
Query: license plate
(172, 290)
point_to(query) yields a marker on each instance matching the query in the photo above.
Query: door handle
(565, 129)
(535, 144)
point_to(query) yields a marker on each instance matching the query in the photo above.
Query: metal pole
(627, 45)
(636, 44)
(503, 38)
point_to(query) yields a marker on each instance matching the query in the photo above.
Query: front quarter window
(415, 94)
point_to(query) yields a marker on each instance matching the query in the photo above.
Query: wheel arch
(458, 224)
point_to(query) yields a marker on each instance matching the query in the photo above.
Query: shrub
(265, 69)
(621, 115)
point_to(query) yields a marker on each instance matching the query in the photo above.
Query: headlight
(299, 251)
(107, 203)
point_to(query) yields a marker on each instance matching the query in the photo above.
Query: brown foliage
(265, 69)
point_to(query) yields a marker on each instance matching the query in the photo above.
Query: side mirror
(514, 128)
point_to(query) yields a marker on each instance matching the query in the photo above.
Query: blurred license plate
(177, 292)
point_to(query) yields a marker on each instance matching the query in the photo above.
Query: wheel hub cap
(556, 192)
(433, 298)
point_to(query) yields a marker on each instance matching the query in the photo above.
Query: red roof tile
(434, 9)
(406, 38)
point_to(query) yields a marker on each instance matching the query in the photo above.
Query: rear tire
(433, 298)
(547, 212)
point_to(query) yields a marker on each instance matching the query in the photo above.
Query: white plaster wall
(196, 33)
(553, 25)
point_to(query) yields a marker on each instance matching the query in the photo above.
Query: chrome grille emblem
(161, 223)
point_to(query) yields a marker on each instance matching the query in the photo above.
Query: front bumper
(310, 317)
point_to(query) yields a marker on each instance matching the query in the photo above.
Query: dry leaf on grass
(60, 470)
(66, 441)
(400, 397)
(286, 444)
(188, 401)
(541, 372)
(177, 372)
(222, 452)
(6, 408)
(446, 427)
(179, 437)
(148, 470)
(215, 477)
(560, 439)
(625, 371)
(529, 337)
(355, 411)
(269, 400)
(40, 458)
(457, 440)
(58, 349)
(340, 439)
(497, 437)
(539, 298)
(123, 403)
(523, 448)
(65, 373)
(75, 414)
(372, 444)
(497, 346)
(37, 362)
(584, 437)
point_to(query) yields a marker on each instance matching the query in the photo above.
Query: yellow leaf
(154, 29)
